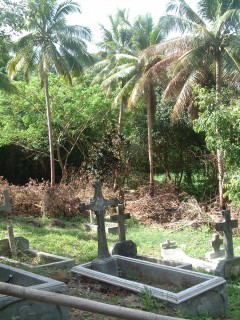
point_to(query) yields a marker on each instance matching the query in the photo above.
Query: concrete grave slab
(21, 243)
(165, 262)
(43, 260)
(177, 254)
(193, 293)
(14, 308)
(110, 227)
(228, 268)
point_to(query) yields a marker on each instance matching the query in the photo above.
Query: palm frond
(124, 91)
(175, 84)
(210, 10)
(181, 8)
(136, 93)
(65, 8)
(185, 96)
(125, 71)
(81, 32)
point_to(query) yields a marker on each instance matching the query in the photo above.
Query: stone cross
(216, 242)
(168, 244)
(99, 205)
(120, 218)
(6, 206)
(226, 226)
(91, 213)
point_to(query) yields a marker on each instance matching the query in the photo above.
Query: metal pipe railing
(79, 303)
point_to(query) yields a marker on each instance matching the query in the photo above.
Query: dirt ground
(105, 293)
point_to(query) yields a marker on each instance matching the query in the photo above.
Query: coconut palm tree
(50, 45)
(129, 66)
(208, 53)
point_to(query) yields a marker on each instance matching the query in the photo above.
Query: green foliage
(149, 303)
(177, 147)
(220, 123)
(78, 112)
(108, 155)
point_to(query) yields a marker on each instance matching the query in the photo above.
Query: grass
(74, 242)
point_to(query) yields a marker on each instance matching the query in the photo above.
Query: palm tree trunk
(150, 151)
(219, 152)
(50, 134)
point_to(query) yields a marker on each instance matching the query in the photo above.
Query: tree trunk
(63, 169)
(116, 184)
(219, 152)
(50, 134)
(150, 152)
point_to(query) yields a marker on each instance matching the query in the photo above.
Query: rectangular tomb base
(108, 265)
(15, 308)
(193, 293)
(110, 227)
(177, 264)
(40, 260)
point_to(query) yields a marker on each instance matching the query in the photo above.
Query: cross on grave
(120, 218)
(6, 206)
(99, 205)
(226, 226)
(91, 213)
(216, 242)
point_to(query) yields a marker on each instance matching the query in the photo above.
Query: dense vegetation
(143, 104)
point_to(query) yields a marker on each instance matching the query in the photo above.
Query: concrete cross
(91, 213)
(6, 206)
(99, 205)
(120, 218)
(216, 242)
(226, 226)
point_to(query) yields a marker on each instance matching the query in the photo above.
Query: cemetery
(119, 160)
(191, 286)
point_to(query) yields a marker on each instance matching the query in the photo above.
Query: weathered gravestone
(123, 247)
(216, 243)
(6, 206)
(110, 227)
(120, 218)
(226, 226)
(14, 308)
(103, 263)
(230, 266)
(17, 246)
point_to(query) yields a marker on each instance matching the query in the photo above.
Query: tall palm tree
(50, 45)
(209, 52)
(129, 66)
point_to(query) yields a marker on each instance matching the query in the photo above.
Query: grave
(226, 267)
(103, 262)
(6, 206)
(37, 259)
(230, 266)
(122, 247)
(110, 227)
(169, 251)
(40, 259)
(216, 242)
(128, 248)
(193, 293)
(15, 308)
